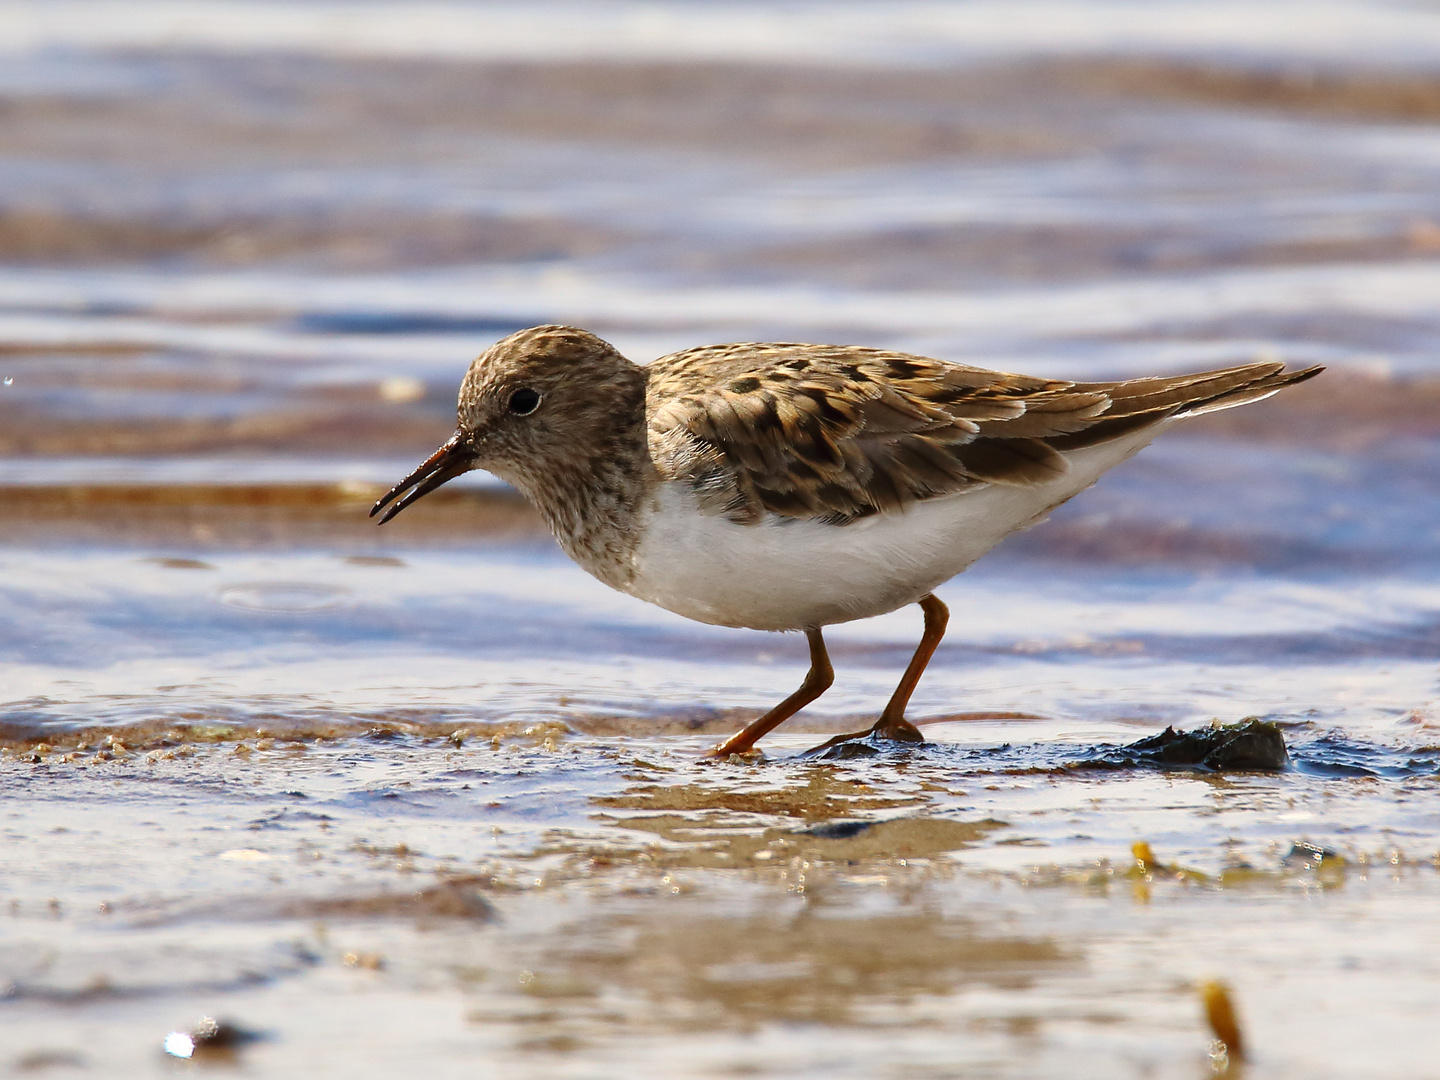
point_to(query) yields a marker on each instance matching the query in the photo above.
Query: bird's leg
(817, 681)
(892, 723)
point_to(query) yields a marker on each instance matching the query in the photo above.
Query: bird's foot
(867, 743)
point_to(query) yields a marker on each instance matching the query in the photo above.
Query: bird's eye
(524, 401)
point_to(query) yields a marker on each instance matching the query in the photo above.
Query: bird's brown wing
(836, 433)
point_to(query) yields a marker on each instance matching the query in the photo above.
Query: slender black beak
(452, 459)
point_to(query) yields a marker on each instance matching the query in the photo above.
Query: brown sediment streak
(43, 728)
(1310, 87)
(258, 516)
(340, 239)
(348, 421)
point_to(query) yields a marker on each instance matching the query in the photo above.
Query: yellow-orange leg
(817, 681)
(892, 723)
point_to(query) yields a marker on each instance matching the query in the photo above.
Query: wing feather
(837, 434)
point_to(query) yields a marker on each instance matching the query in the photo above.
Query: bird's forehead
(491, 370)
(543, 354)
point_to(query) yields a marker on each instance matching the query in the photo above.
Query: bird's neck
(592, 495)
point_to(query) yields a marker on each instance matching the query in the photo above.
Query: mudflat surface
(428, 799)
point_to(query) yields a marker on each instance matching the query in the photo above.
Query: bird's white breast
(787, 574)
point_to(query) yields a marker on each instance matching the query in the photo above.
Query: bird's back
(837, 434)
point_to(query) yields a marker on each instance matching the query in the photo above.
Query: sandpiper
(783, 486)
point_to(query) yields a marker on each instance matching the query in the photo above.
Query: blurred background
(421, 797)
(247, 246)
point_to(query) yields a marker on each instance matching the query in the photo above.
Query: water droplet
(9, 380)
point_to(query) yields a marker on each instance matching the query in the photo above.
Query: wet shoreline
(426, 798)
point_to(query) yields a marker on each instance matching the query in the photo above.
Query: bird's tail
(1253, 382)
(1201, 392)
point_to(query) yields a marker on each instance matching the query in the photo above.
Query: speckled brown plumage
(840, 433)
(580, 457)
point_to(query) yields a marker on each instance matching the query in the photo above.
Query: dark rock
(1249, 746)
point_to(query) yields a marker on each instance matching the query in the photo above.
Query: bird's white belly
(787, 574)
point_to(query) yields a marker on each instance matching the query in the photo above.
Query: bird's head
(533, 403)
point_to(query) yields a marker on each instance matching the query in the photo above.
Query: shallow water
(428, 798)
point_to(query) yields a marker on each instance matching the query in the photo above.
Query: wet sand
(427, 798)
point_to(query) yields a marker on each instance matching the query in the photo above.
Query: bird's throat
(592, 501)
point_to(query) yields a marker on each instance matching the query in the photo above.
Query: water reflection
(794, 964)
